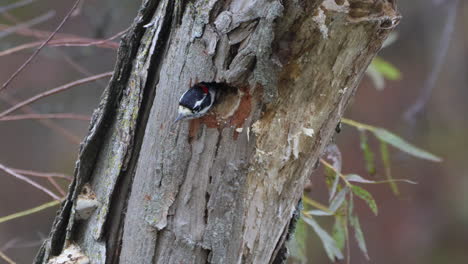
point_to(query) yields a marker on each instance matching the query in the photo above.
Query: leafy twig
(324, 162)
(386, 136)
(317, 205)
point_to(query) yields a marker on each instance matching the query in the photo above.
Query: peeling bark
(221, 189)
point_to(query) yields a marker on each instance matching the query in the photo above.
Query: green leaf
(338, 200)
(397, 180)
(319, 213)
(334, 187)
(386, 69)
(392, 38)
(368, 154)
(357, 178)
(308, 201)
(332, 179)
(350, 204)
(297, 245)
(339, 232)
(359, 235)
(366, 196)
(397, 142)
(385, 155)
(330, 176)
(376, 77)
(328, 242)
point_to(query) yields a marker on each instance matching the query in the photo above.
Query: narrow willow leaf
(368, 154)
(367, 197)
(376, 77)
(297, 245)
(350, 204)
(315, 204)
(357, 178)
(295, 252)
(330, 176)
(397, 180)
(328, 242)
(332, 179)
(385, 155)
(333, 154)
(359, 235)
(319, 213)
(338, 200)
(390, 39)
(339, 232)
(399, 143)
(334, 186)
(386, 69)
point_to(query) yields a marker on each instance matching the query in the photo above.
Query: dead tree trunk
(221, 189)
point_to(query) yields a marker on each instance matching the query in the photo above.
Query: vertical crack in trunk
(119, 200)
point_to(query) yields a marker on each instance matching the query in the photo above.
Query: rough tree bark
(221, 189)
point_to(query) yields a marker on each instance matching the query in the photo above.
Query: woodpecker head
(196, 101)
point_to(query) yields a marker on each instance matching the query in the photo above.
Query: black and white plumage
(196, 101)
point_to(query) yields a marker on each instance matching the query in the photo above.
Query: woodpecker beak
(184, 112)
(179, 117)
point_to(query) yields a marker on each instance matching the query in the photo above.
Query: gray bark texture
(223, 188)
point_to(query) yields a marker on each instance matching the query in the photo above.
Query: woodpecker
(197, 100)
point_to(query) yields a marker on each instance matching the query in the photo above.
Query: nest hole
(228, 101)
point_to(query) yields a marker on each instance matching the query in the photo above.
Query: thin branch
(65, 42)
(324, 162)
(16, 245)
(36, 33)
(15, 5)
(46, 116)
(5, 97)
(32, 22)
(54, 91)
(56, 185)
(75, 65)
(26, 179)
(108, 40)
(9, 244)
(20, 69)
(441, 53)
(29, 211)
(6, 258)
(41, 174)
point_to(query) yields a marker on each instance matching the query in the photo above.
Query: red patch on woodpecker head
(204, 88)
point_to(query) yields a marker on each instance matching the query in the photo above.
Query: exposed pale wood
(216, 191)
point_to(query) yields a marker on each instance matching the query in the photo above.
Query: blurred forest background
(427, 223)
